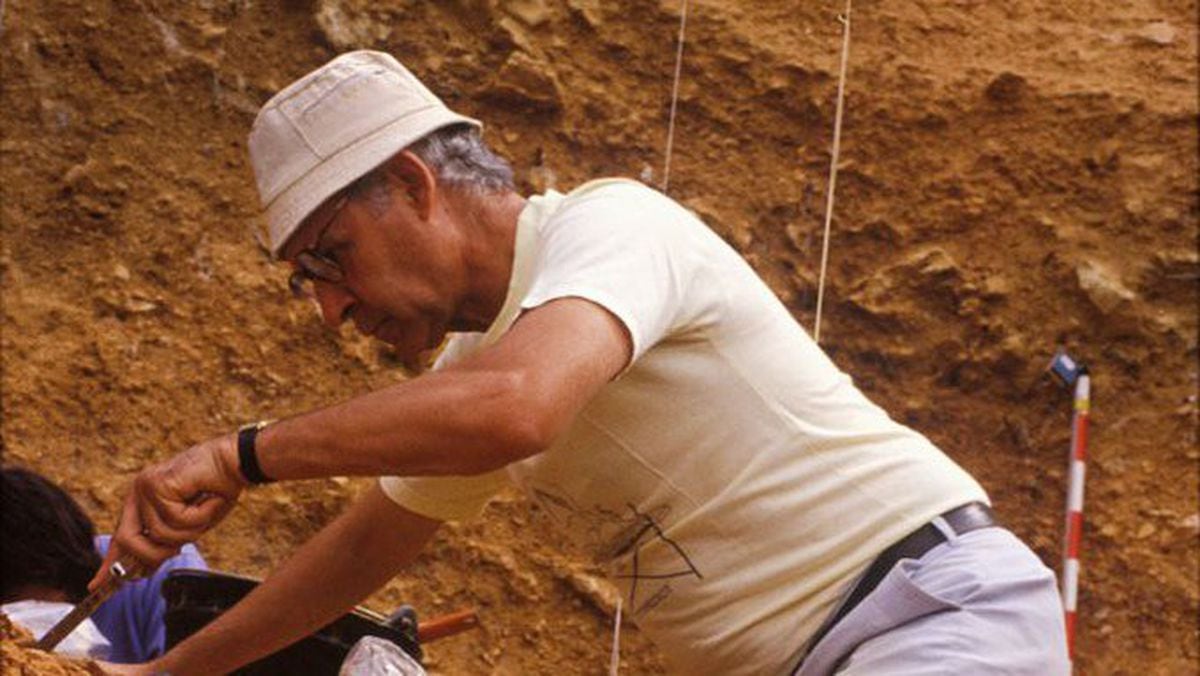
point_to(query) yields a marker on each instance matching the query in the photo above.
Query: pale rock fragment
(1103, 286)
(526, 80)
(1191, 523)
(531, 12)
(1159, 33)
(588, 10)
(347, 30)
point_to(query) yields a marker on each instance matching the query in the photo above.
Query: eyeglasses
(313, 265)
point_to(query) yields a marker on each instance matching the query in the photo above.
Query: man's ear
(416, 181)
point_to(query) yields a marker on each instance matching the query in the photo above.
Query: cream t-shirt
(732, 478)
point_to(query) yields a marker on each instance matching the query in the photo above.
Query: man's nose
(335, 303)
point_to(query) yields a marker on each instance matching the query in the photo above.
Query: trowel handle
(447, 625)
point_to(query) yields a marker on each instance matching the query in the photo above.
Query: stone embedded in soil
(1160, 33)
(588, 10)
(1103, 286)
(525, 80)
(1191, 523)
(532, 12)
(1007, 89)
(349, 28)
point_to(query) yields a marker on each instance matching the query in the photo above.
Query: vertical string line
(666, 182)
(833, 168)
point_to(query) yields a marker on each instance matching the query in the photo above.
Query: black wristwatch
(248, 453)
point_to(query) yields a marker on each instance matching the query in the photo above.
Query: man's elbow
(519, 425)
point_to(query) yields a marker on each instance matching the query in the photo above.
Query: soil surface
(18, 658)
(1014, 177)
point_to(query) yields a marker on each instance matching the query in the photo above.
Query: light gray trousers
(980, 603)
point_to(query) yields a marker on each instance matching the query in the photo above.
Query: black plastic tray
(196, 597)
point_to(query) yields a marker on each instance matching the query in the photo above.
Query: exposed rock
(1191, 523)
(1102, 286)
(93, 188)
(1104, 159)
(933, 262)
(527, 81)
(1007, 89)
(588, 10)
(995, 287)
(348, 30)
(518, 35)
(1159, 33)
(532, 12)
(931, 270)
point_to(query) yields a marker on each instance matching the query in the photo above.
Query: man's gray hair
(461, 160)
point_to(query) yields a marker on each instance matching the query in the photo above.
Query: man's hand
(172, 503)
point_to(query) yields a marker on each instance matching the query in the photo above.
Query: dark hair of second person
(46, 540)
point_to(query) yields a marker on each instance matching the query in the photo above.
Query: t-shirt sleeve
(446, 498)
(618, 246)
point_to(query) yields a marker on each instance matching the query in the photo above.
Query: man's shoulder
(612, 187)
(613, 205)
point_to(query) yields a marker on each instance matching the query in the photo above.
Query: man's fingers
(210, 509)
(140, 547)
(198, 517)
(132, 542)
(170, 504)
(173, 488)
(159, 530)
(102, 575)
(147, 554)
(127, 524)
(195, 515)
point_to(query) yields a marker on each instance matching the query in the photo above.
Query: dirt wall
(1014, 177)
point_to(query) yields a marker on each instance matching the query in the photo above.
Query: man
(616, 360)
(49, 550)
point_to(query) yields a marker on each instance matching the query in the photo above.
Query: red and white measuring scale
(1072, 373)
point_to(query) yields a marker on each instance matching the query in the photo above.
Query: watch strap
(248, 453)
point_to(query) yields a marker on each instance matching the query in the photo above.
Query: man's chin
(420, 362)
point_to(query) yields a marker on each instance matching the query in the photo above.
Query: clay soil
(1015, 177)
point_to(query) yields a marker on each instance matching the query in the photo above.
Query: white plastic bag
(39, 616)
(374, 656)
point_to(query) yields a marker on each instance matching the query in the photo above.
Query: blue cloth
(133, 619)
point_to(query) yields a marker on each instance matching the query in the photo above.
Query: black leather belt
(969, 517)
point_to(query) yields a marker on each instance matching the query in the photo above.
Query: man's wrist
(227, 460)
(248, 465)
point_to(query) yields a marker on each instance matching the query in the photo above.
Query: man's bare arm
(505, 403)
(341, 565)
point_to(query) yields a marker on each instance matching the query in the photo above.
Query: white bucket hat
(333, 126)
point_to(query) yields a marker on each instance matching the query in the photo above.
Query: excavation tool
(1072, 373)
(446, 625)
(118, 573)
